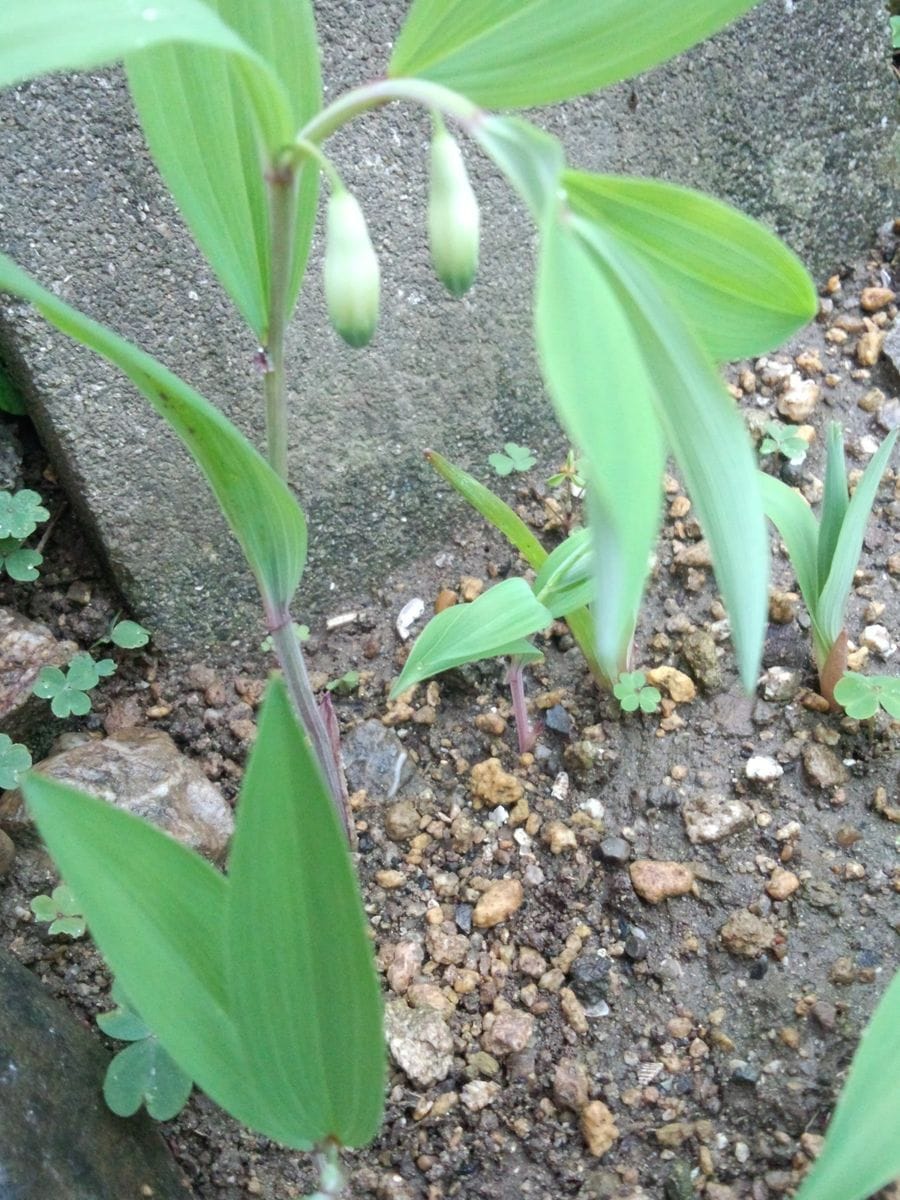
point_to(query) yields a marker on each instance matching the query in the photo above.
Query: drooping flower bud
(352, 276)
(453, 219)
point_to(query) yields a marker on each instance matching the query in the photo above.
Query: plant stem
(282, 184)
(331, 1176)
(374, 95)
(526, 732)
(293, 666)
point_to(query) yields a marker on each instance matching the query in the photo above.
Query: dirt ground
(713, 1027)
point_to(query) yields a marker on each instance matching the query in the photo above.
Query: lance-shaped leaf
(517, 53)
(706, 434)
(202, 129)
(157, 912)
(492, 626)
(794, 520)
(306, 1000)
(862, 1149)
(262, 513)
(595, 372)
(741, 289)
(566, 580)
(531, 159)
(39, 36)
(835, 500)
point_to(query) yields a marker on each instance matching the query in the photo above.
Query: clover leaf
(516, 458)
(129, 635)
(14, 759)
(786, 440)
(19, 564)
(632, 693)
(142, 1073)
(61, 910)
(20, 513)
(68, 690)
(860, 696)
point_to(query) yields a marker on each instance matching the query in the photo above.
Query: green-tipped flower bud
(352, 277)
(453, 219)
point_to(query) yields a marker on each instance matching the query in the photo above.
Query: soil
(715, 1025)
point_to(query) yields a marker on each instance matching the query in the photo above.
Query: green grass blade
(156, 910)
(835, 500)
(262, 513)
(305, 993)
(593, 364)
(797, 527)
(565, 582)
(487, 628)
(39, 36)
(741, 289)
(836, 589)
(862, 1146)
(517, 53)
(201, 126)
(494, 510)
(706, 435)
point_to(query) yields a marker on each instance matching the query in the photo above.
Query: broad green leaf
(262, 513)
(835, 501)
(200, 123)
(306, 1000)
(20, 513)
(741, 289)
(797, 527)
(10, 400)
(862, 1146)
(594, 368)
(566, 580)
(861, 695)
(39, 36)
(156, 910)
(15, 759)
(517, 53)
(531, 159)
(144, 1073)
(129, 635)
(836, 589)
(21, 565)
(706, 435)
(490, 627)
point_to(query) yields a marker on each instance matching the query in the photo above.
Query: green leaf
(20, 513)
(835, 501)
(199, 121)
(259, 507)
(502, 464)
(591, 358)
(122, 1022)
(14, 760)
(21, 564)
(705, 433)
(143, 1073)
(10, 400)
(862, 1150)
(836, 588)
(129, 635)
(73, 927)
(156, 911)
(83, 672)
(566, 580)
(517, 53)
(305, 994)
(742, 290)
(794, 520)
(346, 685)
(489, 627)
(856, 696)
(531, 159)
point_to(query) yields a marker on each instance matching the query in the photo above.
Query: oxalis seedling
(784, 440)
(61, 910)
(861, 696)
(14, 761)
(68, 690)
(825, 553)
(516, 458)
(127, 635)
(20, 514)
(633, 692)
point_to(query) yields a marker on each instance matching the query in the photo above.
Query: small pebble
(559, 837)
(493, 786)
(615, 851)
(598, 1128)
(655, 881)
(498, 903)
(746, 935)
(509, 1033)
(782, 884)
(822, 766)
(762, 769)
(570, 1084)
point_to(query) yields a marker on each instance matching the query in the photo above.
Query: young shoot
(68, 690)
(634, 693)
(61, 911)
(785, 440)
(516, 458)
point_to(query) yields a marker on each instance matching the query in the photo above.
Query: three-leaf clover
(19, 564)
(129, 635)
(61, 910)
(861, 695)
(786, 440)
(68, 690)
(20, 513)
(516, 458)
(14, 759)
(142, 1073)
(633, 693)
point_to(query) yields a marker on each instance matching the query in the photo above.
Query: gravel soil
(635, 962)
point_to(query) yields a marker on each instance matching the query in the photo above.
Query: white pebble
(762, 769)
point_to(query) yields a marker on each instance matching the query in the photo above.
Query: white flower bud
(352, 277)
(453, 219)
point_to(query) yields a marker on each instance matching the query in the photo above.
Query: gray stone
(823, 767)
(57, 1137)
(7, 852)
(891, 349)
(754, 116)
(142, 772)
(709, 817)
(374, 759)
(420, 1043)
(25, 647)
(10, 456)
